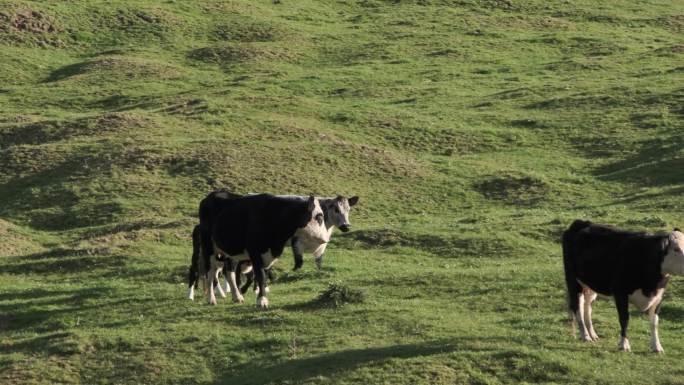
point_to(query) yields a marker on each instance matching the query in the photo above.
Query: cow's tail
(573, 287)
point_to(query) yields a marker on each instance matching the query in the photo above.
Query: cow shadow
(330, 364)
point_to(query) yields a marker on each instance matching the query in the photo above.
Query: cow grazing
(256, 228)
(629, 266)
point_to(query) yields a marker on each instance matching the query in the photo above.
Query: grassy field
(474, 132)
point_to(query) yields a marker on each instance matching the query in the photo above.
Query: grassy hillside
(474, 131)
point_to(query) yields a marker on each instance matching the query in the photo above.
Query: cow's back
(600, 256)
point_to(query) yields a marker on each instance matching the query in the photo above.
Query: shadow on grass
(64, 261)
(34, 309)
(330, 364)
(657, 163)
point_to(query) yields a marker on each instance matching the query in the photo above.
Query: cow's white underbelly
(643, 302)
(309, 243)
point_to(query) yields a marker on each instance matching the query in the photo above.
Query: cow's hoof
(657, 349)
(623, 345)
(262, 303)
(238, 299)
(594, 337)
(212, 301)
(222, 294)
(586, 338)
(191, 294)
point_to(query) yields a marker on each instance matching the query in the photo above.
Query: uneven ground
(473, 130)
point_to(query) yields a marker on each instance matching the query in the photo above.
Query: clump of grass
(337, 295)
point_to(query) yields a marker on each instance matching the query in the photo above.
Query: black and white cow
(630, 266)
(257, 228)
(335, 213)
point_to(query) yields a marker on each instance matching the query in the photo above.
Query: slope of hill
(473, 130)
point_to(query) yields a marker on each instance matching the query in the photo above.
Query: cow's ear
(353, 200)
(312, 203)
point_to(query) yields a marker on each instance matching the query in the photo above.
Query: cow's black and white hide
(629, 266)
(256, 228)
(336, 214)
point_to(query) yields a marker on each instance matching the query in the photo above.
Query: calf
(256, 228)
(630, 266)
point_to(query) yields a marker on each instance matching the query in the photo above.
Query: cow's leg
(655, 341)
(579, 317)
(226, 271)
(194, 262)
(622, 304)
(589, 297)
(234, 291)
(260, 278)
(192, 282)
(218, 285)
(318, 255)
(210, 277)
(297, 252)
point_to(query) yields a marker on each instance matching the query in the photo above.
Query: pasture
(474, 132)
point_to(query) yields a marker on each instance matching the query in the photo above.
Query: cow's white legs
(226, 280)
(220, 289)
(589, 297)
(655, 341)
(623, 344)
(210, 284)
(579, 317)
(234, 290)
(191, 292)
(318, 255)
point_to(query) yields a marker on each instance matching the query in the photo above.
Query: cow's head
(337, 212)
(313, 220)
(673, 262)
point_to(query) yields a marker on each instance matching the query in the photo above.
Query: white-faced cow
(335, 213)
(630, 266)
(256, 228)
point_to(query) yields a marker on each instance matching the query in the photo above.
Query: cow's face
(674, 259)
(313, 221)
(337, 212)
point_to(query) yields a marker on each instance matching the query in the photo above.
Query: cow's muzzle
(345, 228)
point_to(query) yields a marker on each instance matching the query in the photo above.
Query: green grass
(474, 131)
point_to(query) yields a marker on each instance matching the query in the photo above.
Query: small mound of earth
(228, 53)
(245, 32)
(28, 20)
(120, 66)
(513, 188)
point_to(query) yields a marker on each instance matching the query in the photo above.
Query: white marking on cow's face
(644, 303)
(673, 263)
(337, 212)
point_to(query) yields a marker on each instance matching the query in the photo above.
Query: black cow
(256, 228)
(630, 266)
